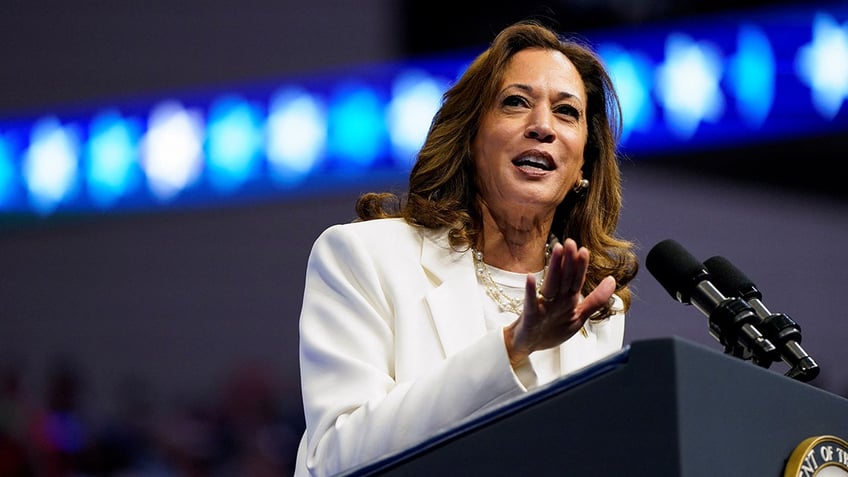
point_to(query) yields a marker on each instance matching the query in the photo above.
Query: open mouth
(541, 162)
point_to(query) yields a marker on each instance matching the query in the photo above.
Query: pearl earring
(581, 186)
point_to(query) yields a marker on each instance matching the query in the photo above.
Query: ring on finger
(541, 297)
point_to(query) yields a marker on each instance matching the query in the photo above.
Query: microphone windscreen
(730, 280)
(675, 269)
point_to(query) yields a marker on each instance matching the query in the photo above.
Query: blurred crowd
(246, 429)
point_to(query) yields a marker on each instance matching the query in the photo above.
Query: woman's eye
(514, 100)
(568, 110)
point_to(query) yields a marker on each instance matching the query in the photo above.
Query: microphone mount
(732, 321)
(779, 328)
(733, 324)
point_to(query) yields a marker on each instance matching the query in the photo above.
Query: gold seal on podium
(819, 456)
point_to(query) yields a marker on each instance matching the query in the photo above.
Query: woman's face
(529, 149)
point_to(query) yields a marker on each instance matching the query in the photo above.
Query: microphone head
(675, 269)
(730, 280)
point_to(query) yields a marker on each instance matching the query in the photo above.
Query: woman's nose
(539, 128)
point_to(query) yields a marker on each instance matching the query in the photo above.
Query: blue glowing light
(297, 134)
(7, 171)
(681, 86)
(112, 167)
(235, 142)
(356, 127)
(416, 96)
(688, 84)
(631, 74)
(50, 165)
(823, 65)
(171, 151)
(751, 74)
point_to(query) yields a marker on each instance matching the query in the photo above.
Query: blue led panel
(705, 82)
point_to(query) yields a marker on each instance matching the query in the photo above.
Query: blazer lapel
(454, 302)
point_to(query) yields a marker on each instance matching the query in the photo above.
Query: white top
(396, 345)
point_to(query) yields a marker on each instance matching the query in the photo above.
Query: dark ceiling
(443, 25)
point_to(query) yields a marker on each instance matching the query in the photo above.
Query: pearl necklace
(495, 292)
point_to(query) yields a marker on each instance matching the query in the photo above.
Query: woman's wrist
(516, 356)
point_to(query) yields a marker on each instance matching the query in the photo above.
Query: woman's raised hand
(557, 311)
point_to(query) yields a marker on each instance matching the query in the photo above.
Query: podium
(661, 407)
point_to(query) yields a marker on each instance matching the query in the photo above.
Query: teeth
(533, 161)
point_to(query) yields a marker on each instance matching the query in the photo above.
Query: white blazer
(394, 345)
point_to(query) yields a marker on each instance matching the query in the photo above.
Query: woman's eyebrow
(529, 89)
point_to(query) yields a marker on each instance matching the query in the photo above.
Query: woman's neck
(516, 246)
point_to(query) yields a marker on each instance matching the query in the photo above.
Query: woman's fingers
(558, 307)
(531, 296)
(598, 298)
(567, 270)
(576, 264)
(553, 276)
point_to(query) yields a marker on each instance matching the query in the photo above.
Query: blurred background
(165, 167)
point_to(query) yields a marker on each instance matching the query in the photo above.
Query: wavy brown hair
(442, 190)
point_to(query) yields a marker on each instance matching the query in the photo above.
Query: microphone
(777, 327)
(732, 321)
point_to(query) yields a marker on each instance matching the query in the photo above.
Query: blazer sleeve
(355, 410)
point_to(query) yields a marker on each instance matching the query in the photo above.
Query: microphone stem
(787, 336)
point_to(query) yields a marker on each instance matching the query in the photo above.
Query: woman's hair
(442, 188)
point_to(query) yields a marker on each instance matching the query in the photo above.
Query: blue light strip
(717, 81)
(732, 80)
